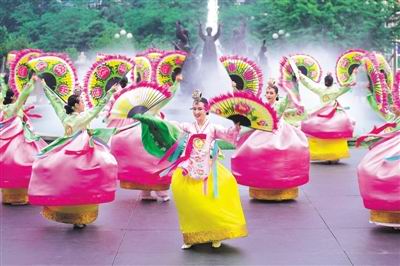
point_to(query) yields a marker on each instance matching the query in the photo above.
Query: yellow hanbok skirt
(204, 218)
(328, 149)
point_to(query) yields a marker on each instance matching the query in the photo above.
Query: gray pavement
(326, 225)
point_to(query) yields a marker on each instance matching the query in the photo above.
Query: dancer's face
(79, 107)
(199, 111)
(270, 94)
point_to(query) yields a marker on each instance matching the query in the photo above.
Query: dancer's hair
(8, 98)
(72, 100)
(328, 80)
(197, 98)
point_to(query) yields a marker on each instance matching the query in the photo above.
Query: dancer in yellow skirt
(328, 128)
(205, 192)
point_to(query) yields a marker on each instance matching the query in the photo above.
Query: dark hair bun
(68, 109)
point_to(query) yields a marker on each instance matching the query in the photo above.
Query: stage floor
(326, 225)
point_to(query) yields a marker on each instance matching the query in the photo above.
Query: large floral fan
(57, 71)
(288, 80)
(347, 63)
(19, 69)
(143, 70)
(377, 82)
(169, 65)
(307, 64)
(137, 99)
(246, 109)
(396, 91)
(153, 54)
(244, 72)
(104, 74)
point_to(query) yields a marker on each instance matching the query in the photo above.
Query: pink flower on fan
(308, 62)
(146, 75)
(313, 74)
(248, 75)
(103, 72)
(242, 108)
(41, 66)
(358, 57)
(178, 61)
(97, 92)
(261, 123)
(232, 67)
(165, 69)
(63, 89)
(344, 76)
(122, 69)
(22, 71)
(60, 70)
(345, 63)
(218, 111)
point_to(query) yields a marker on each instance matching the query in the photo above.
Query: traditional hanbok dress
(205, 193)
(76, 172)
(18, 148)
(328, 128)
(127, 146)
(379, 177)
(272, 164)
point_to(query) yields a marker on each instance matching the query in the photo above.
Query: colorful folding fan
(396, 91)
(169, 65)
(307, 64)
(246, 109)
(57, 71)
(19, 70)
(377, 81)
(143, 70)
(137, 99)
(244, 72)
(153, 54)
(104, 74)
(347, 63)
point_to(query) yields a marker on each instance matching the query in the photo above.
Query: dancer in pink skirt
(272, 164)
(76, 172)
(18, 145)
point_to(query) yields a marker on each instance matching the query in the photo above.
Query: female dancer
(207, 201)
(329, 127)
(18, 145)
(276, 163)
(76, 172)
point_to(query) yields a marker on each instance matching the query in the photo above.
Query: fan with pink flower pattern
(104, 74)
(19, 69)
(244, 72)
(57, 71)
(246, 109)
(169, 65)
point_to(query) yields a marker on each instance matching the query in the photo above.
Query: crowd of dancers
(274, 136)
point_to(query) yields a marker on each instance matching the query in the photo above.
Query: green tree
(343, 23)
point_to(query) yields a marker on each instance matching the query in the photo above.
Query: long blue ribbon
(214, 155)
(392, 158)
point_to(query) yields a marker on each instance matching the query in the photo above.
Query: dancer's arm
(89, 115)
(3, 90)
(55, 101)
(15, 107)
